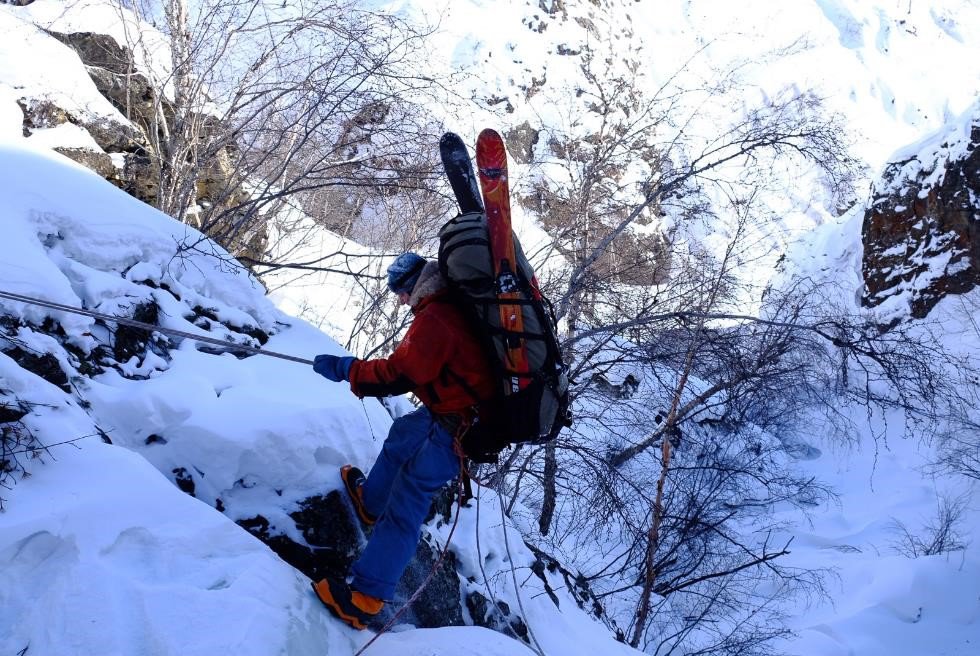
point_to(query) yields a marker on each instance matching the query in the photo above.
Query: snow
(35, 65)
(149, 47)
(885, 602)
(892, 70)
(65, 135)
(881, 600)
(158, 571)
(99, 551)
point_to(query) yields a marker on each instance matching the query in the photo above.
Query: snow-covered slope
(100, 553)
(96, 543)
(902, 581)
(98, 546)
(893, 71)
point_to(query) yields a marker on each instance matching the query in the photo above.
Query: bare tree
(629, 162)
(689, 408)
(259, 104)
(942, 534)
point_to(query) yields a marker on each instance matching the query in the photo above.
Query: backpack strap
(448, 372)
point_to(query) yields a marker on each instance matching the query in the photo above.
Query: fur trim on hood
(430, 281)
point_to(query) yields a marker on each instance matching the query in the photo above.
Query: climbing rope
(133, 323)
(513, 572)
(533, 644)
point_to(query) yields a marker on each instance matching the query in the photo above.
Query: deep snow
(100, 553)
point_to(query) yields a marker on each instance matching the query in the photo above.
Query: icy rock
(921, 231)
(332, 541)
(44, 365)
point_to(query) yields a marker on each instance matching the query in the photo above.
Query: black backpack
(537, 412)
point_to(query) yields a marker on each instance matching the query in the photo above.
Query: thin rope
(125, 321)
(479, 553)
(368, 417)
(513, 572)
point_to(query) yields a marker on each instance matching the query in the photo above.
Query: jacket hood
(430, 282)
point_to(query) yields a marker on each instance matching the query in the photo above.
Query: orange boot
(350, 606)
(353, 480)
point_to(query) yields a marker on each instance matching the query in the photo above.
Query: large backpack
(539, 410)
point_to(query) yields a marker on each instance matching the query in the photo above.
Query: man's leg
(396, 535)
(406, 435)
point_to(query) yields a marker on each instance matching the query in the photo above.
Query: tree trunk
(550, 489)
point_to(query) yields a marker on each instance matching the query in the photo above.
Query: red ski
(491, 162)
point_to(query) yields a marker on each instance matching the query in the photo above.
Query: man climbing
(443, 364)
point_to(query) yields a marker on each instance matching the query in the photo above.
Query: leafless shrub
(938, 535)
(318, 105)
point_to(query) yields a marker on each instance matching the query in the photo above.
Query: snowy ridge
(51, 71)
(924, 162)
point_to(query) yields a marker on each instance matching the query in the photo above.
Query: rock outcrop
(333, 539)
(921, 230)
(127, 149)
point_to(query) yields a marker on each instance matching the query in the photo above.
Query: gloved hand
(333, 367)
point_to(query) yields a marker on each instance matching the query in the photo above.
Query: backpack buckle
(506, 283)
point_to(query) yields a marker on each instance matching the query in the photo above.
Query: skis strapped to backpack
(491, 163)
(494, 283)
(459, 171)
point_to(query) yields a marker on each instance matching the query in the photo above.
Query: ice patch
(850, 30)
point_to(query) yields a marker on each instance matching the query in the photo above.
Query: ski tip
(450, 137)
(489, 133)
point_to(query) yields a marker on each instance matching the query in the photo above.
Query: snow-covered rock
(922, 226)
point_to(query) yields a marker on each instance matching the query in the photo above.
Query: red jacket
(439, 360)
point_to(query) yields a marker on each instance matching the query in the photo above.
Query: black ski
(459, 169)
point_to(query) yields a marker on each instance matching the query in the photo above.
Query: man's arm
(418, 360)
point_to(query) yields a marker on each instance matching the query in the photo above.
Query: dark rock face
(130, 341)
(151, 118)
(100, 163)
(921, 233)
(183, 480)
(98, 50)
(521, 142)
(439, 603)
(496, 616)
(11, 410)
(44, 365)
(112, 136)
(334, 540)
(42, 113)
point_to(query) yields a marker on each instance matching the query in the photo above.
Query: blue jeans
(417, 459)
